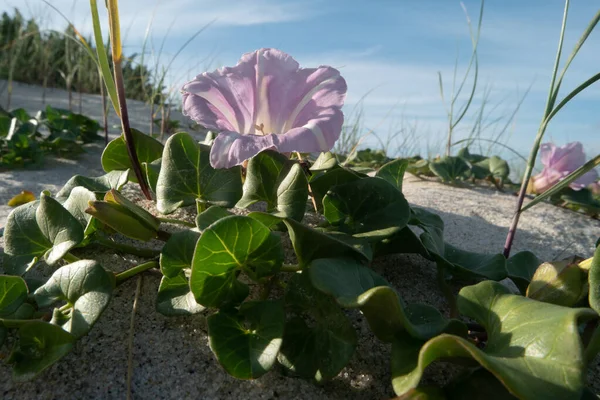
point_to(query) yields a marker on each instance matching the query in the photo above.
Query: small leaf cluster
(24, 140)
(266, 311)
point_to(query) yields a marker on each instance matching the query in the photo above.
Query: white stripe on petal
(312, 125)
(308, 97)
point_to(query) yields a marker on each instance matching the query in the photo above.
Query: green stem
(447, 292)
(123, 276)
(124, 248)
(176, 221)
(290, 268)
(70, 258)
(200, 207)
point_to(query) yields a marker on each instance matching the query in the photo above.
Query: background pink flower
(267, 102)
(558, 163)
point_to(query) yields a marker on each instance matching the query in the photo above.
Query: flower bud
(558, 282)
(124, 216)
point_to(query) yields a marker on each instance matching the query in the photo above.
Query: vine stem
(447, 291)
(176, 221)
(124, 248)
(128, 273)
(290, 268)
(70, 258)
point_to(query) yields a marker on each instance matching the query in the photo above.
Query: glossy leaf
(115, 156)
(393, 172)
(186, 176)
(324, 162)
(310, 244)
(594, 281)
(209, 216)
(246, 342)
(319, 350)
(280, 182)
(175, 298)
(355, 286)
(321, 183)
(77, 203)
(13, 293)
(178, 252)
(521, 267)
(39, 345)
(369, 208)
(533, 348)
(99, 185)
(85, 286)
(449, 169)
(226, 248)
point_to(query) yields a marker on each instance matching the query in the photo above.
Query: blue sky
(389, 51)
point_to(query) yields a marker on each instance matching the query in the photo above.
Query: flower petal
(231, 148)
(568, 157)
(587, 179)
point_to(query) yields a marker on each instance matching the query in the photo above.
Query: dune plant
(227, 265)
(553, 106)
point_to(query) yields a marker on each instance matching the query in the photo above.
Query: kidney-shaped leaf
(246, 342)
(178, 252)
(85, 286)
(355, 286)
(227, 247)
(449, 169)
(369, 208)
(209, 216)
(322, 182)
(175, 298)
(115, 156)
(319, 350)
(280, 182)
(40, 345)
(393, 172)
(533, 348)
(324, 162)
(186, 176)
(99, 185)
(594, 281)
(521, 267)
(13, 293)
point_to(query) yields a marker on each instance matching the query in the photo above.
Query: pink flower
(558, 163)
(267, 102)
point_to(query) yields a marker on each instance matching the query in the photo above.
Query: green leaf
(355, 286)
(465, 263)
(152, 171)
(40, 345)
(115, 156)
(321, 183)
(77, 203)
(533, 348)
(178, 252)
(39, 229)
(85, 286)
(246, 342)
(209, 216)
(594, 281)
(310, 244)
(13, 293)
(186, 176)
(480, 384)
(324, 162)
(321, 350)
(175, 298)
(99, 185)
(499, 168)
(449, 169)
(521, 267)
(227, 247)
(280, 182)
(369, 208)
(581, 199)
(393, 172)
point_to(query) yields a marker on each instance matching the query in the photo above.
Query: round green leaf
(209, 216)
(594, 281)
(85, 286)
(13, 293)
(178, 252)
(175, 298)
(99, 185)
(246, 342)
(324, 162)
(186, 176)
(280, 182)
(39, 345)
(393, 172)
(521, 267)
(449, 169)
(321, 183)
(369, 208)
(115, 156)
(227, 247)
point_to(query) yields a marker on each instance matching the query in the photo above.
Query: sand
(171, 358)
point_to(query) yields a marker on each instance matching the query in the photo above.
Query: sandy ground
(171, 358)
